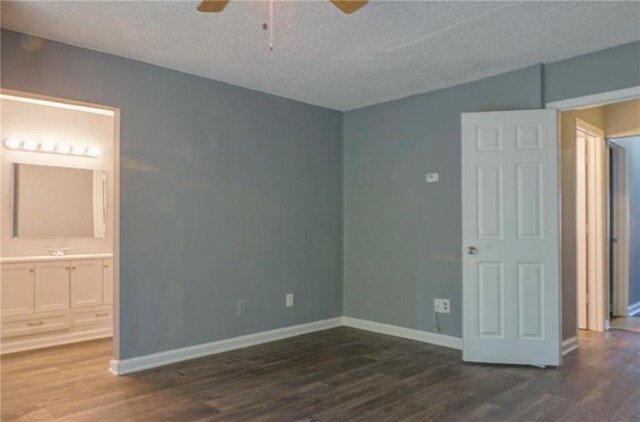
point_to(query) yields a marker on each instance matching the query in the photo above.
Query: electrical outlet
(442, 306)
(289, 300)
(242, 307)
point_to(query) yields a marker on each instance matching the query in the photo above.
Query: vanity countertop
(44, 258)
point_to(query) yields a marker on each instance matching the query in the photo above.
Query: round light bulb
(12, 143)
(78, 150)
(48, 146)
(63, 149)
(93, 151)
(30, 145)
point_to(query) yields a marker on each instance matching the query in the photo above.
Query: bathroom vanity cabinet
(55, 300)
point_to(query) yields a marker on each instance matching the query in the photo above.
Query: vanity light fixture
(51, 147)
(29, 145)
(63, 149)
(48, 146)
(93, 151)
(78, 150)
(12, 143)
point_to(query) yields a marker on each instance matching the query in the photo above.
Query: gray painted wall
(602, 71)
(402, 236)
(633, 157)
(231, 194)
(226, 194)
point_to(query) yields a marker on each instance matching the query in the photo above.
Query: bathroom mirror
(55, 202)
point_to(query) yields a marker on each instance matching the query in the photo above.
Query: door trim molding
(596, 244)
(587, 101)
(595, 100)
(621, 214)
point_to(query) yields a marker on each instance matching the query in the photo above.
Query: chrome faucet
(58, 251)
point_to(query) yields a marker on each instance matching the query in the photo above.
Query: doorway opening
(60, 223)
(624, 277)
(602, 141)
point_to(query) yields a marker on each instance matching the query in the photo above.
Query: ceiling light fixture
(217, 6)
(50, 146)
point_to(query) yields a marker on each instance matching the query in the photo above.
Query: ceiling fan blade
(349, 6)
(212, 6)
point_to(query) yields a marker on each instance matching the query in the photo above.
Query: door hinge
(587, 298)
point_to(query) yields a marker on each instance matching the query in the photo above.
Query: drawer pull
(34, 323)
(101, 314)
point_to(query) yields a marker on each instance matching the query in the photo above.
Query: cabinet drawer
(35, 323)
(93, 316)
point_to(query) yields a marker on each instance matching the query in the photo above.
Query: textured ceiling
(386, 51)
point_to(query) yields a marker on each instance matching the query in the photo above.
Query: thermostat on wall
(432, 177)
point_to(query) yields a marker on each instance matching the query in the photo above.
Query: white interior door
(510, 234)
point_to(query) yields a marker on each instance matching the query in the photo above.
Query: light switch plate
(289, 300)
(242, 307)
(432, 177)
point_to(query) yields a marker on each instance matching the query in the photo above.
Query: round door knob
(472, 250)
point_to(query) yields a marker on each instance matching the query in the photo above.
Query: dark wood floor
(340, 374)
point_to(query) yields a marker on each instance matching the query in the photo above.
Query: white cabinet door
(86, 283)
(510, 229)
(18, 284)
(52, 286)
(107, 281)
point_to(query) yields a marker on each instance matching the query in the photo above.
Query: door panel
(490, 301)
(530, 188)
(511, 278)
(86, 283)
(490, 201)
(531, 300)
(18, 285)
(52, 286)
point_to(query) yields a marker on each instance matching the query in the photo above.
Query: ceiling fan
(347, 6)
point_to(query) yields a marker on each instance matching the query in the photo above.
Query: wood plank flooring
(341, 374)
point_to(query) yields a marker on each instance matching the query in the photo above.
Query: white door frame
(594, 100)
(620, 230)
(115, 111)
(591, 212)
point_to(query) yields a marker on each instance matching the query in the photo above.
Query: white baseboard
(12, 345)
(633, 309)
(394, 330)
(127, 366)
(569, 345)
